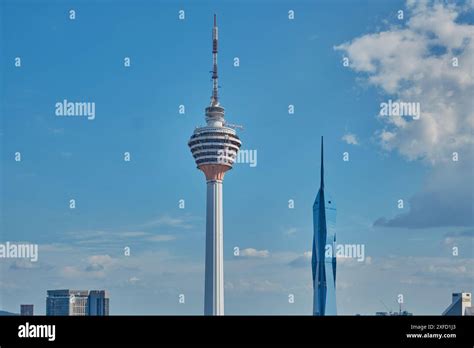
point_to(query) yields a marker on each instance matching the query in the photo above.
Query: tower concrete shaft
(214, 274)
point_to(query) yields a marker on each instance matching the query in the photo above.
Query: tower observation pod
(214, 148)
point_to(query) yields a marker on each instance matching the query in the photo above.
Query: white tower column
(214, 282)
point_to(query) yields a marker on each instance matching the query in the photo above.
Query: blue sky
(282, 62)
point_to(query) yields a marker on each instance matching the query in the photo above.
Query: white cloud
(70, 272)
(168, 221)
(350, 139)
(253, 285)
(303, 260)
(133, 280)
(162, 238)
(440, 271)
(144, 232)
(95, 266)
(256, 286)
(414, 63)
(290, 231)
(461, 238)
(254, 253)
(105, 260)
(133, 234)
(368, 260)
(413, 276)
(24, 264)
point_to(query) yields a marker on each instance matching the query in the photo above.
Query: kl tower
(214, 148)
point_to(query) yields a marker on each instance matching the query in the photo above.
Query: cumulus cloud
(162, 238)
(291, 231)
(302, 260)
(100, 262)
(253, 285)
(465, 237)
(254, 253)
(133, 280)
(161, 229)
(24, 264)
(96, 266)
(440, 271)
(168, 221)
(416, 62)
(350, 139)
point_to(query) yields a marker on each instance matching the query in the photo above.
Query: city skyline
(137, 226)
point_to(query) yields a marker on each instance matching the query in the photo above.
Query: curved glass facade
(323, 261)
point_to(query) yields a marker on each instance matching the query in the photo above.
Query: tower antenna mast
(215, 86)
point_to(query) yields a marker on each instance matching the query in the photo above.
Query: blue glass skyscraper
(324, 254)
